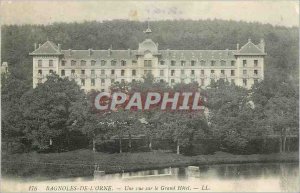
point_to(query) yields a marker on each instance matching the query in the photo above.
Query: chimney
(59, 47)
(90, 51)
(70, 52)
(40, 45)
(237, 46)
(262, 45)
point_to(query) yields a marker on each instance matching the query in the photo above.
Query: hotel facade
(98, 69)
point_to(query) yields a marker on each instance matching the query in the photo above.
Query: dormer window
(202, 62)
(193, 63)
(93, 62)
(223, 63)
(212, 63)
(173, 63)
(63, 63)
(50, 63)
(73, 63)
(82, 62)
(103, 62)
(123, 63)
(112, 63)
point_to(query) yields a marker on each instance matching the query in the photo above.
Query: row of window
(162, 72)
(147, 63)
(172, 81)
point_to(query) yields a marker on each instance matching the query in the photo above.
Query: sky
(283, 13)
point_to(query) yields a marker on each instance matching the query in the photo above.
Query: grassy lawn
(81, 162)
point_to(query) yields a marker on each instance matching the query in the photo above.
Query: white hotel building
(98, 69)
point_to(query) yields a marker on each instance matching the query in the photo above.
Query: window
(223, 63)
(192, 72)
(161, 80)
(103, 62)
(182, 72)
(244, 63)
(172, 72)
(63, 63)
(122, 81)
(212, 63)
(50, 63)
(102, 72)
(62, 73)
(40, 72)
(102, 82)
(244, 72)
(223, 72)
(112, 63)
(232, 73)
(102, 90)
(51, 71)
(93, 62)
(82, 62)
(133, 72)
(172, 81)
(173, 63)
(255, 63)
(182, 63)
(202, 72)
(212, 71)
(122, 72)
(73, 63)
(255, 72)
(40, 63)
(162, 73)
(202, 63)
(82, 82)
(112, 80)
(255, 80)
(148, 63)
(162, 62)
(245, 82)
(72, 72)
(82, 72)
(92, 82)
(112, 72)
(134, 62)
(123, 63)
(232, 63)
(92, 72)
(133, 80)
(193, 63)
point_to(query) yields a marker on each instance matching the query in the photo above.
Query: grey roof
(48, 48)
(250, 49)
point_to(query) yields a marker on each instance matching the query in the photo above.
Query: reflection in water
(286, 173)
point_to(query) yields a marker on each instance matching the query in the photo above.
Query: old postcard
(149, 96)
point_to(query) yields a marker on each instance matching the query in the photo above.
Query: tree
(283, 114)
(47, 111)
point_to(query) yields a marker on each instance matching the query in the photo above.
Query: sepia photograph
(149, 96)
